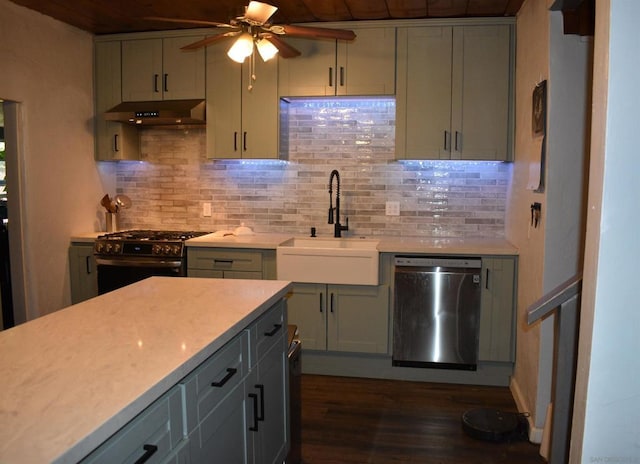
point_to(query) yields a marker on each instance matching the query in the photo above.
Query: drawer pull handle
(223, 261)
(261, 388)
(149, 450)
(230, 373)
(276, 327)
(254, 397)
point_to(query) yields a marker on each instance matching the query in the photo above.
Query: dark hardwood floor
(349, 420)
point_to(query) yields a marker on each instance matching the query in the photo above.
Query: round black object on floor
(494, 425)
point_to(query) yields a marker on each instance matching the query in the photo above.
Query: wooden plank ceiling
(118, 16)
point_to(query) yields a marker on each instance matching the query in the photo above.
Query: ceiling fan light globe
(266, 49)
(241, 48)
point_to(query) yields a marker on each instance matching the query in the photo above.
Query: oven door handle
(138, 263)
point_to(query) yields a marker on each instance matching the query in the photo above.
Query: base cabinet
(346, 318)
(233, 408)
(231, 263)
(237, 406)
(82, 272)
(497, 321)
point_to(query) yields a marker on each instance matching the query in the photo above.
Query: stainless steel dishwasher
(437, 311)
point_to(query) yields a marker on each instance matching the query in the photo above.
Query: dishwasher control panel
(426, 261)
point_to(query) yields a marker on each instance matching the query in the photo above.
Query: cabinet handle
(149, 450)
(486, 279)
(115, 143)
(155, 83)
(244, 141)
(276, 327)
(87, 262)
(230, 373)
(261, 388)
(330, 77)
(223, 261)
(166, 82)
(342, 76)
(254, 397)
(235, 141)
(321, 302)
(446, 138)
(331, 303)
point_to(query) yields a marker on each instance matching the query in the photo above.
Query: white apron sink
(350, 261)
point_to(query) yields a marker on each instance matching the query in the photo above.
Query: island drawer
(268, 330)
(224, 259)
(212, 381)
(155, 432)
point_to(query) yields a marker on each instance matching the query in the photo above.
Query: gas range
(144, 243)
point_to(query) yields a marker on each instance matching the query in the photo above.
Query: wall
(552, 253)
(47, 69)
(532, 66)
(356, 136)
(607, 406)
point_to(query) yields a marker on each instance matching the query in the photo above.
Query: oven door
(114, 273)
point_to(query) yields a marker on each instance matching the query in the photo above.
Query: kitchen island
(73, 378)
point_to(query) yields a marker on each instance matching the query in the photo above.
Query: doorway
(6, 298)
(12, 282)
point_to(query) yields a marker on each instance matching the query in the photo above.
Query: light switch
(206, 209)
(392, 208)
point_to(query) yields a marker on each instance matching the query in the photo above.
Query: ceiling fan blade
(284, 49)
(259, 12)
(317, 32)
(209, 40)
(187, 21)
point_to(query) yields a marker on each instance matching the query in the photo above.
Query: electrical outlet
(206, 209)
(392, 208)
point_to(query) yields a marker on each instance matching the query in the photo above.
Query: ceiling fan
(254, 29)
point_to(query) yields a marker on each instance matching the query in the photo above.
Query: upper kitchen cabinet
(242, 115)
(113, 140)
(365, 66)
(157, 69)
(454, 92)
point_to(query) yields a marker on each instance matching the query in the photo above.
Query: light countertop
(478, 246)
(262, 241)
(428, 245)
(74, 377)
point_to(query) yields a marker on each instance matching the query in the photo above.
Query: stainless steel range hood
(159, 113)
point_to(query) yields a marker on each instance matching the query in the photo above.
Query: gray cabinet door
(271, 387)
(497, 314)
(83, 273)
(307, 309)
(347, 318)
(358, 318)
(454, 92)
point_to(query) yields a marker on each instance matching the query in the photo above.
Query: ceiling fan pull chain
(252, 70)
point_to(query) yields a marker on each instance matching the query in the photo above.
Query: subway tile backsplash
(356, 136)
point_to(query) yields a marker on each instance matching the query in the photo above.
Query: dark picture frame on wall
(539, 109)
(539, 127)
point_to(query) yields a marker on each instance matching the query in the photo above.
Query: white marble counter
(72, 378)
(467, 246)
(444, 245)
(89, 237)
(478, 246)
(258, 241)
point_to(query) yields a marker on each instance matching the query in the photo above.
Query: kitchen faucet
(338, 228)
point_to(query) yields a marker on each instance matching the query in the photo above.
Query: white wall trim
(535, 433)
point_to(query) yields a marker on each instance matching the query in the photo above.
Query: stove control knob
(99, 247)
(117, 247)
(156, 249)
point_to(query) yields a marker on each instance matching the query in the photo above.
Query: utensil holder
(111, 221)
